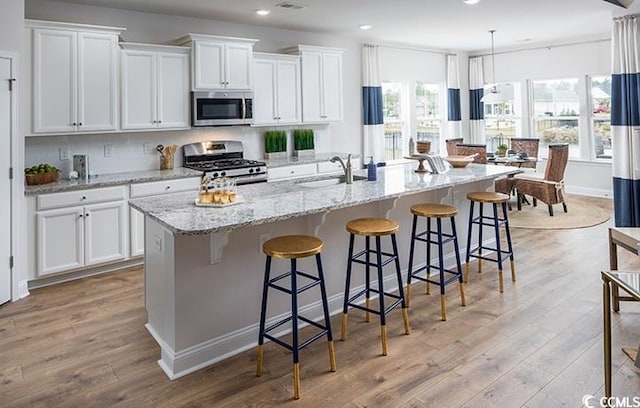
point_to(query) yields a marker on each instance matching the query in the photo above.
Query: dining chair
(469, 149)
(451, 145)
(550, 188)
(530, 146)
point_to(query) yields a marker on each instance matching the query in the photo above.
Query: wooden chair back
(557, 162)
(530, 146)
(451, 145)
(469, 149)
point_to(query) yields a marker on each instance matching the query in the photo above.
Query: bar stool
(437, 211)
(374, 227)
(491, 221)
(294, 247)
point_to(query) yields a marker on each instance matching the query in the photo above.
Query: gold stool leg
(367, 316)
(463, 299)
(405, 318)
(332, 356)
(296, 381)
(466, 272)
(383, 334)
(479, 263)
(513, 271)
(259, 360)
(443, 307)
(501, 280)
(407, 296)
(428, 289)
(343, 332)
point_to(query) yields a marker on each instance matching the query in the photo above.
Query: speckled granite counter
(317, 158)
(114, 179)
(269, 202)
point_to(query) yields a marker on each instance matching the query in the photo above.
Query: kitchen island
(204, 266)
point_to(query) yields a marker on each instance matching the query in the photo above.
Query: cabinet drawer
(292, 171)
(80, 197)
(328, 167)
(164, 187)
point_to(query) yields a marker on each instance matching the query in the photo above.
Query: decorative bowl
(423, 147)
(41, 178)
(459, 161)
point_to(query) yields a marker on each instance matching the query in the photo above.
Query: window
(503, 120)
(428, 114)
(601, 119)
(556, 112)
(392, 95)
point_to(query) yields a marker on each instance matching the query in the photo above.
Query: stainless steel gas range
(224, 158)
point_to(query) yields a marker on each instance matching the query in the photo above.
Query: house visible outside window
(600, 92)
(394, 123)
(503, 120)
(428, 114)
(556, 113)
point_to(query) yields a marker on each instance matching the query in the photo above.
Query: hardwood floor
(83, 344)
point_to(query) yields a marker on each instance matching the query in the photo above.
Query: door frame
(16, 184)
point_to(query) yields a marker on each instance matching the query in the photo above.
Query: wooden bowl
(459, 161)
(42, 178)
(423, 147)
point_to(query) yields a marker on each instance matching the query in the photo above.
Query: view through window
(601, 120)
(428, 114)
(503, 120)
(392, 95)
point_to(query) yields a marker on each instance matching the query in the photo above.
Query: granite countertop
(275, 201)
(316, 158)
(115, 179)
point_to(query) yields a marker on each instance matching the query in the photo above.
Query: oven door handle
(244, 108)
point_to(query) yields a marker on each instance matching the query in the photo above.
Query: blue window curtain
(454, 117)
(476, 108)
(625, 116)
(372, 104)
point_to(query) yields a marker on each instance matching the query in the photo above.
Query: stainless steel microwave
(221, 108)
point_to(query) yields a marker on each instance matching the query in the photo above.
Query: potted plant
(275, 144)
(502, 149)
(303, 142)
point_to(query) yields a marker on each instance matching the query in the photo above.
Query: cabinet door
(312, 110)
(209, 65)
(60, 240)
(97, 81)
(173, 90)
(288, 92)
(139, 90)
(332, 87)
(264, 91)
(136, 229)
(105, 237)
(54, 81)
(239, 60)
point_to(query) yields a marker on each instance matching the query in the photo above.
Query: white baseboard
(69, 276)
(593, 192)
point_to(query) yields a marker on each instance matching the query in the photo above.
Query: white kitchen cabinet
(220, 62)
(155, 86)
(294, 171)
(136, 219)
(322, 94)
(75, 77)
(75, 236)
(276, 92)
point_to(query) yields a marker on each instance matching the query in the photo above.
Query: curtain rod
(627, 17)
(543, 47)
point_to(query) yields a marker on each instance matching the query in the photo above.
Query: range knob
(250, 171)
(224, 173)
(258, 170)
(215, 174)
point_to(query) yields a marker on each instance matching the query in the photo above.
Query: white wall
(11, 25)
(155, 28)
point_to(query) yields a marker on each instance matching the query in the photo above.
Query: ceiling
(436, 24)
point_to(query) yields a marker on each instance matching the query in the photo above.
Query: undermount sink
(325, 182)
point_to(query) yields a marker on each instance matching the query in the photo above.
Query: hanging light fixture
(494, 95)
(473, 1)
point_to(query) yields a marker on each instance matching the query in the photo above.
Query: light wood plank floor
(83, 344)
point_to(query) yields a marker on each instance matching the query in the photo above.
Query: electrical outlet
(262, 239)
(108, 148)
(63, 153)
(148, 148)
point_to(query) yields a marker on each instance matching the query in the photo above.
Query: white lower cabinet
(298, 170)
(75, 237)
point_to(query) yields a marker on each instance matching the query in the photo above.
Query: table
(629, 239)
(630, 282)
(512, 160)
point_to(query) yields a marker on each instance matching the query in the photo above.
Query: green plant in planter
(303, 139)
(502, 149)
(275, 141)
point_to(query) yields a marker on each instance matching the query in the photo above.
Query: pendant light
(494, 95)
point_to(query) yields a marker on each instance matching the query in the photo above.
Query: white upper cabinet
(276, 92)
(220, 62)
(155, 86)
(75, 77)
(322, 95)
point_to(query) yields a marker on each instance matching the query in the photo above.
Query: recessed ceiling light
(365, 26)
(262, 12)
(471, 1)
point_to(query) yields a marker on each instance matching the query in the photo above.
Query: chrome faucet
(346, 167)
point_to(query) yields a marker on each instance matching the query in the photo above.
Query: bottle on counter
(372, 170)
(412, 147)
